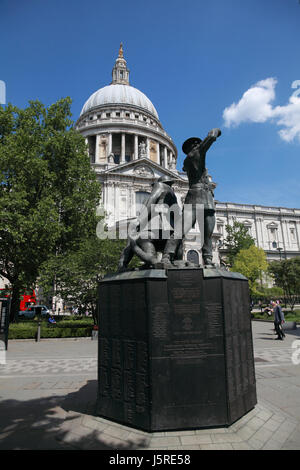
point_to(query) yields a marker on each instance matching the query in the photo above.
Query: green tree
(78, 272)
(286, 274)
(237, 239)
(48, 192)
(251, 262)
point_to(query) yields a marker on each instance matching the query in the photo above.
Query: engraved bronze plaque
(175, 349)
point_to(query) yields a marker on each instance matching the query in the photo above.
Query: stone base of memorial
(175, 349)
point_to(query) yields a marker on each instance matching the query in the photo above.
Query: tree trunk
(15, 303)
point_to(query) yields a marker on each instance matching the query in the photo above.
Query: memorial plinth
(175, 349)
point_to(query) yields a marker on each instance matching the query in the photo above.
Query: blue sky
(204, 64)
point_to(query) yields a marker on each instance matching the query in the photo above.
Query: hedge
(63, 329)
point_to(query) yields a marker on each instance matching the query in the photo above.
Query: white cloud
(256, 106)
(289, 117)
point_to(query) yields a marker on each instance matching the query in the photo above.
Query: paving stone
(272, 444)
(241, 446)
(197, 439)
(219, 446)
(255, 423)
(264, 414)
(164, 441)
(118, 432)
(272, 424)
(255, 444)
(138, 439)
(89, 422)
(110, 442)
(191, 432)
(232, 437)
(190, 447)
(245, 433)
(80, 431)
(263, 435)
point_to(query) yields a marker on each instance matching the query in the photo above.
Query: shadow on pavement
(50, 423)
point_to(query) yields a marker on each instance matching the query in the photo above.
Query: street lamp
(279, 249)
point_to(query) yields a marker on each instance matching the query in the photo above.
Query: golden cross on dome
(121, 51)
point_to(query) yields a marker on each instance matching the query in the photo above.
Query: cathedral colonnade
(119, 147)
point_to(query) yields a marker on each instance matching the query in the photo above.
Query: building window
(107, 115)
(116, 159)
(128, 115)
(293, 234)
(92, 148)
(136, 116)
(118, 114)
(220, 228)
(273, 234)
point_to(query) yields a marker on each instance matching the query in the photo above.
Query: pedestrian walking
(278, 320)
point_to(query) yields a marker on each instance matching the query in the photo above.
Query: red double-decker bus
(26, 299)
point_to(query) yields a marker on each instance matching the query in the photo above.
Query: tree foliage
(251, 262)
(237, 239)
(78, 272)
(48, 191)
(286, 274)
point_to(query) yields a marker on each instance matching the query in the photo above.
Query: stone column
(109, 146)
(297, 228)
(136, 147)
(147, 148)
(97, 149)
(172, 161)
(282, 227)
(157, 153)
(165, 157)
(122, 148)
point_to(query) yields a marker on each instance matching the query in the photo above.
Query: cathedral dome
(122, 94)
(120, 125)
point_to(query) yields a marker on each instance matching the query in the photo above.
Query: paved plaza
(48, 393)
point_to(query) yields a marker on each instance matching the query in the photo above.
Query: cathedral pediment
(142, 168)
